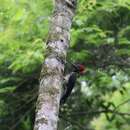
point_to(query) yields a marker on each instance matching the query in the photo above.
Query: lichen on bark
(52, 69)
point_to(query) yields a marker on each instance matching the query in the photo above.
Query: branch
(99, 112)
(74, 122)
(124, 102)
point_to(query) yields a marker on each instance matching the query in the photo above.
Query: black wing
(69, 87)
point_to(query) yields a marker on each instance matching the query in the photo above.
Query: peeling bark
(52, 70)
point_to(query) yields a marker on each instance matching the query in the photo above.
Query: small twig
(101, 111)
(17, 101)
(31, 99)
(72, 122)
(18, 122)
(124, 102)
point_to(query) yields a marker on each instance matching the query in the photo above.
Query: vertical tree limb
(52, 69)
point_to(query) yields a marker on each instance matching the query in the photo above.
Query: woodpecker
(70, 81)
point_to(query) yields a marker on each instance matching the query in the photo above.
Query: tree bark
(53, 67)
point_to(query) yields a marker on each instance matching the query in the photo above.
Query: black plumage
(69, 87)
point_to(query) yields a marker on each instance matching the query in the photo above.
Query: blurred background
(100, 39)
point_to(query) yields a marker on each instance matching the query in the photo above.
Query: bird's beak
(83, 72)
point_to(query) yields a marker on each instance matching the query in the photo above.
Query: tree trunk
(52, 70)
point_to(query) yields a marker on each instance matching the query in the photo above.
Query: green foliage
(100, 40)
(23, 30)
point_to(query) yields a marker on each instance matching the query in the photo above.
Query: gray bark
(52, 70)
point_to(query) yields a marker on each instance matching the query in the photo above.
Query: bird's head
(79, 68)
